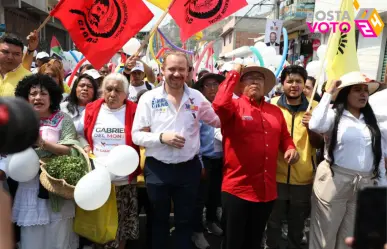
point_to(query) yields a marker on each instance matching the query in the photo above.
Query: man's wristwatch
(161, 138)
(30, 51)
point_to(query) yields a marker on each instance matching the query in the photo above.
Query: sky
(158, 12)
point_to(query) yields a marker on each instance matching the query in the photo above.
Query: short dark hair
(87, 66)
(312, 79)
(293, 69)
(12, 39)
(43, 81)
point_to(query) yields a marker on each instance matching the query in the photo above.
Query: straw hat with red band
(356, 78)
(267, 73)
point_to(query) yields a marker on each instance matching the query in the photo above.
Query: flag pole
(319, 74)
(48, 18)
(321, 67)
(146, 40)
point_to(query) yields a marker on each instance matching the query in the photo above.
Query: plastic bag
(99, 226)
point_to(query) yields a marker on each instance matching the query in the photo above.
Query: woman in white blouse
(353, 158)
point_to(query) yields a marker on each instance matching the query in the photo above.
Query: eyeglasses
(211, 85)
(252, 79)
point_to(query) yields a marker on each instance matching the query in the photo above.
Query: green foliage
(69, 168)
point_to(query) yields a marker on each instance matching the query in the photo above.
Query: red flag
(193, 16)
(99, 28)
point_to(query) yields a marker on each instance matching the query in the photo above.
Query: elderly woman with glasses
(107, 123)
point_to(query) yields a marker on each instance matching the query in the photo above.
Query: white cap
(93, 73)
(228, 66)
(42, 55)
(139, 67)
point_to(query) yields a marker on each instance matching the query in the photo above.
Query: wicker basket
(59, 186)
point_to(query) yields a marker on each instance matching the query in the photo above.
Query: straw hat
(270, 80)
(357, 78)
(199, 84)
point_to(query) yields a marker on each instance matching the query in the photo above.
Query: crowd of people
(224, 152)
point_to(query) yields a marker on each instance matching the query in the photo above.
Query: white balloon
(312, 68)
(321, 51)
(93, 189)
(131, 46)
(24, 166)
(123, 160)
(277, 60)
(268, 61)
(248, 60)
(272, 68)
(238, 61)
(260, 46)
(269, 52)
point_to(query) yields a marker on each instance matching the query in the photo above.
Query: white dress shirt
(354, 142)
(155, 111)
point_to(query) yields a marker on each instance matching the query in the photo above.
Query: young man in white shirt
(137, 83)
(172, 170)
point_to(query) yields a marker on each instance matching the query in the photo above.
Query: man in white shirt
(172, 170)
(137, 83)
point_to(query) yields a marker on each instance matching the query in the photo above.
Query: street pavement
(213, 240)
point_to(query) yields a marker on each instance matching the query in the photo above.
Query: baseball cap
(42, 55)
(93, 73)
(139, 67)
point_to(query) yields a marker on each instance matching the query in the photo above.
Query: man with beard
(294, 182)
(172, 113)
(97, 11)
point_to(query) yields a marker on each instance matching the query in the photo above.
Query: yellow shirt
(140, 178)
(9, 82)
(67, 89)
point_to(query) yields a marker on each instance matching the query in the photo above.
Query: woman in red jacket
(107, 123)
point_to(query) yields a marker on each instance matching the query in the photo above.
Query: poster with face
(273, 33)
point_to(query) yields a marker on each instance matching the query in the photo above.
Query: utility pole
(277, 9)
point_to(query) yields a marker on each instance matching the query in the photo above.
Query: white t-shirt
(109, 130)
(134, 90)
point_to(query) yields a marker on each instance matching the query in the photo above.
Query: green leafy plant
(69, 168)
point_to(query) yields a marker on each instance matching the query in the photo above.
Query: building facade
(238, 34)
(20, 17)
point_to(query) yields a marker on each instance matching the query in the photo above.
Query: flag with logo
(56, 48)
(164, 4)
(99, 28)
(193, 16)
(341, 52)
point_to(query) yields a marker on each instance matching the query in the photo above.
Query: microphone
(19, 125)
